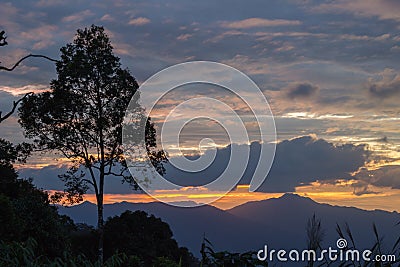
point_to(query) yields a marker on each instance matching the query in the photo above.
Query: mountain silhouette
(276, 222)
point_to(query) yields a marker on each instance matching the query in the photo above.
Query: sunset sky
(329, 70)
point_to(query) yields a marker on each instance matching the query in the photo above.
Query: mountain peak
(279, 221)
(292, 196)
(295, 198)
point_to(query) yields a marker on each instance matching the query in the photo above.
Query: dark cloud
(385, 89)
(363, 189)
(386, 176)
(301, 90)
(297, 162)
(47, 178)
(306, 159)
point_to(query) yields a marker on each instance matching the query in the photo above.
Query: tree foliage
(143, 235)
(81, 116)
(211, 258)
(3, 38)
(25, 212)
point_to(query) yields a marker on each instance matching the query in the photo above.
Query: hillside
(278, 222)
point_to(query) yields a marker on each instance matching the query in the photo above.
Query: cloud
(78, 17)
(337, 50)
(47, 178)
(258, 22)
(353, 37)
(184, 37)
(107, 17)
(301, 90)
(299, 161)
(43, 36)
(395, 48)
(248, 65)
(7, 12)
(24, 89)
(306, 159)
(386, 176)
(139, 21)
(384, 9)
(47, 3)
(388, 85)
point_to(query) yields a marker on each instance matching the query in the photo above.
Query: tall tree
(82, 116)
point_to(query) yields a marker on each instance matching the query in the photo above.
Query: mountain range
(279, 223)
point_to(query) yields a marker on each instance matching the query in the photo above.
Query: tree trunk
(100, 229)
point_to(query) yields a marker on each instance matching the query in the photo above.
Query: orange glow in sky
(341, 194)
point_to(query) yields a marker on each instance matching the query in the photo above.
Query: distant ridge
(278, 222)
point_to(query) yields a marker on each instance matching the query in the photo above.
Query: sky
(329, 70)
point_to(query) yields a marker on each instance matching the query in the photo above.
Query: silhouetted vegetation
(132, 239)
(25, 212)
(16, 254)
(81, 117)
(210, 258)
(315, 237)
(153, 240)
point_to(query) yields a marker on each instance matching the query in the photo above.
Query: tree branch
(96, 189)
(15, 104)
(88, 181)
(25, 57)
(121, 174)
